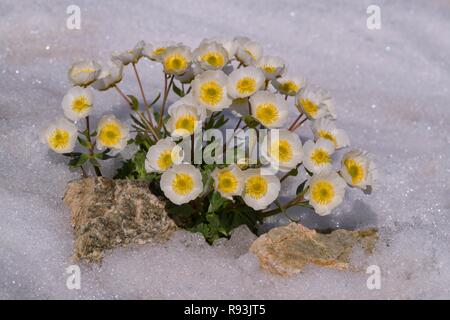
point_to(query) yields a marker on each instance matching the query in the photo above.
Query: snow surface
(392, 91)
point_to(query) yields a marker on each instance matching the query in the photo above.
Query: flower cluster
(220, 80)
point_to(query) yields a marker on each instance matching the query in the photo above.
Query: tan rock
(107, 213)
(286, 250)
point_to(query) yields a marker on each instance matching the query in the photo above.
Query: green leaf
(126, 170)
(183, 210)
(155, 100)
(216, 202)
(138, 122)
(134, 103)
(72, 154)
(79, 161)
(104, 155)
(301, 187)
(177, 90)
(94, 162)
(209, 232)
(134, 168)
(84, 142)
(251, 122)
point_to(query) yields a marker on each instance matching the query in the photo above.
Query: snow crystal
(392, 92)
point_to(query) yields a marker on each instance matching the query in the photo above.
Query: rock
(107, 213)
(286, 250)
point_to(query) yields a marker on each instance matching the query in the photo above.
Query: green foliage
(178, 91)
(134, 103)
(216, 121)
(78, 161)
(134, 168)
(251, 122)
(213, 216)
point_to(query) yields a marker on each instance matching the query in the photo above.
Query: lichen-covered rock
(107, 213)
(286, 250)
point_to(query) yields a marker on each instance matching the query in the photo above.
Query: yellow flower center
(320, 157)
(186, 122)
(281, 150)
(159, 51)
(214, 59)
(289, 86)
(84, 70)
(59, 139)
(175, 62)
(227, 182)
(110, 134)
(355, 170)
(309, 107)
(80, 104)
(246, 85)
(165, 160)
(327, 135)
(269, 69)
(256, 187)
(182, 184)
(322, 192)
(211, 93)
(267, 113)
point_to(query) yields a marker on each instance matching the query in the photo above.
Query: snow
(392, 91)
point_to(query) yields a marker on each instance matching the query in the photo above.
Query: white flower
(185, 119)
(193, 70)
(315, 103)
(289, 85)
(110, 74)
(228, 181)
(358, 170)
(83, 73)
(325, 128)
(162, 155)
(77, 103)
(272, 67)
(241, 40)
(283, 149)
(260, 190)
(249, 52)
(211, 55)
(187, 99)
(60, 136)
(269, 109)
(240, 107)
(317, 156)
(130, 56)
(326, 191)
(229, 45)
(111, 134)
(177, 59)
(210, 90)
(181, 183)
(244, 82)
(155, 51)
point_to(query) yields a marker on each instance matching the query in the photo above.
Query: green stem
(166, 94)
(91, 147)
(299, 124)
(295, 122)
(297, 201)
(149, 126)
